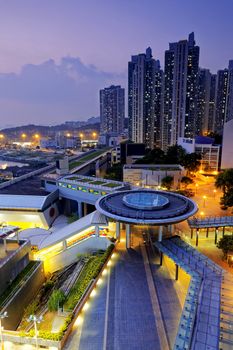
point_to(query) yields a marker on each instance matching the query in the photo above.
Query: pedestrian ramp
(202, 320)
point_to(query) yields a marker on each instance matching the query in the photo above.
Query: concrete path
(121, 315)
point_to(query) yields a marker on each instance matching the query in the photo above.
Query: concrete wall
(149, 177)
(29, 219)
(13, 265)
(15, 307)
(69, 255)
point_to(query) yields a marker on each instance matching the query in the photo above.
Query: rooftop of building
(6, 253)
(94, 182)
(26, 202)
(31, 186)
(146, 207)
(6, 230)
(155, 167)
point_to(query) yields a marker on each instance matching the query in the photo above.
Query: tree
(115, 172)
(224, 181)
(56, 299)
(185, 181)
(167, 182)
(226, 244)
(191, 162)
(155, 156)
(175, 154)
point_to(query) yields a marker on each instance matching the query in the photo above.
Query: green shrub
(48, 286)
(31, 308)
(56, 299)
(89, 273)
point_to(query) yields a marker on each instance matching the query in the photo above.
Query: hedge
(90, 272)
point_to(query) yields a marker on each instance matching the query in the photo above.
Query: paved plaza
(122, 314)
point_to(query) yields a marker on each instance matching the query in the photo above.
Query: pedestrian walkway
(210, 222)
(200, 321)
(121, 315)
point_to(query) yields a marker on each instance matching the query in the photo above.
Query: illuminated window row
(80, 188)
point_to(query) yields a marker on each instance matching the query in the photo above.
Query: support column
(171, 229)
(97, 230)
(160, 236)
(64, 243)
(5, 244)
(80, 210)
(191, 233)
(17, 236)
(223, 231)
(207, 232)
(216, 235)
(161, 259)
(177, 272)
(197, 235)
(127, 229)
(118, 231)
(85, 208)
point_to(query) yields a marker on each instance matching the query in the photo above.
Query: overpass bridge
(207, 316)
(91, 160)
(209, 222)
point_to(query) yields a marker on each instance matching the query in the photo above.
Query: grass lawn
(86, 158)
(111, 184)
(98, 182)
(84, 180)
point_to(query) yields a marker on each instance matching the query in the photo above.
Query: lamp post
(196, 185)
(214, 191)
(2, 316)
(204, 201)
(35, 320)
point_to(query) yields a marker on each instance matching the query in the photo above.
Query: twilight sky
(55, 55)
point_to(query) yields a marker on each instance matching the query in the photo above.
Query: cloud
(53, 92)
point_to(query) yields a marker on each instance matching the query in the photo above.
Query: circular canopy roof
(146, 207)
(145, 200)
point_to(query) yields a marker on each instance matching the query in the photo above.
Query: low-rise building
(205, 146)
(28, 210)
(151, 175)
(128, 152)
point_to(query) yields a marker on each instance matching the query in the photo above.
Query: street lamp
(2, 316)
(196, 185)
(214, 192)
(94, 134)
(204, 201)
(35, 320)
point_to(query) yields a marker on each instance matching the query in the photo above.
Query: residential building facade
(180, 91)
(112, 109)
(144, 99)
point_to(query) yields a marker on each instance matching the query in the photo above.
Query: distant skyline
(55, 55)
